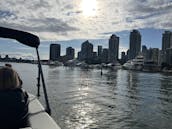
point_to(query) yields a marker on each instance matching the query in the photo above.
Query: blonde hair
(9, 79)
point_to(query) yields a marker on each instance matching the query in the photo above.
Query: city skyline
(24, 51)
(110, 55)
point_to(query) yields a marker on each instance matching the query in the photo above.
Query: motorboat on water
(114, 65)
(55, 63)
(38, 116)
(128, 65)
(135, 64)
(83, 65)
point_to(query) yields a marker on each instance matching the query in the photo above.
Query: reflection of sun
(89, 7)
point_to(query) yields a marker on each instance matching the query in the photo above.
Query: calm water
(119, 99)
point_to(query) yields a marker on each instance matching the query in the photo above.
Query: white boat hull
(38, 118)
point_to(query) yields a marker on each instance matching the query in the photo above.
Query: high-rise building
(104, 57)
(135, 44)
(113, 48)
(70, 53)
(166, 44)
(128, 53)
(149, 54)
(144, 52)
(169, 56)
(144, 49)
(79, 57)
(86, 51)
(99, 51)
(166, 40)
(94, 56)
(155, 55)
(54, 51)
(123, 57)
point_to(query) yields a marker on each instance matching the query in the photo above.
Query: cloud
(64, 20)
(5, 14)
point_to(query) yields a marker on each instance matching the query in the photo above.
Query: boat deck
(38, 118)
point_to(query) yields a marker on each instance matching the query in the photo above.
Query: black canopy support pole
(38, 84)
(48, 110)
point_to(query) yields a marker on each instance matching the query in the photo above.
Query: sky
(70, 22)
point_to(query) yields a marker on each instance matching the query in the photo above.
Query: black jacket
(13, 108)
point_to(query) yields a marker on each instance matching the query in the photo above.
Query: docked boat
(38, 116)
(55, 63)
(84, 65)
(128, 65)
(115, 65)
(134, 64)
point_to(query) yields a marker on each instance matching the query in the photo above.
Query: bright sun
(89, 7)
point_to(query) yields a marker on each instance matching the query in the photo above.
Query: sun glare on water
(89, 7)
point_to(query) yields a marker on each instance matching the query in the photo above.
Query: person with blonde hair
(9, 79)
(13, 100)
